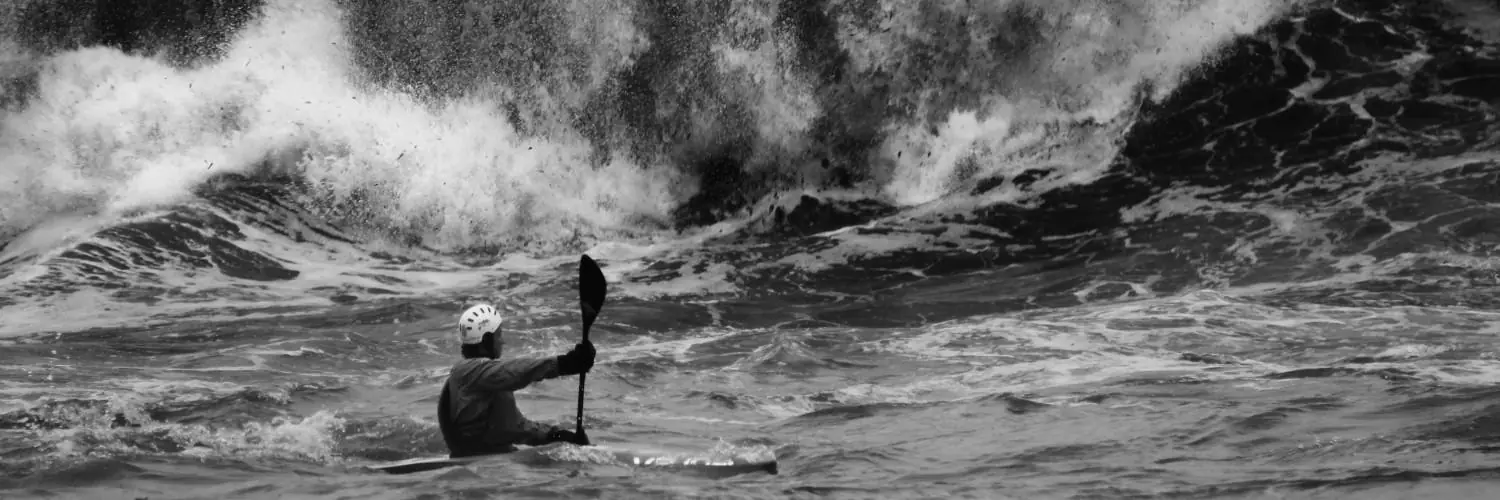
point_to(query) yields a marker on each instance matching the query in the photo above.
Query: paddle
(591, 287)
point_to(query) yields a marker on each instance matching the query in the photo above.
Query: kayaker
(477, 411)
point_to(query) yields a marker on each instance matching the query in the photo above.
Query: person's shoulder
(468, 364)
(465, 371)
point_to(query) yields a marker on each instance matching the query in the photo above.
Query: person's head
(479, 332)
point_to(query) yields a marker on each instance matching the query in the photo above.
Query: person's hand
(579, 360)
(558, 434)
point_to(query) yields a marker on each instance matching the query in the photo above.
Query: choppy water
(1005, 249)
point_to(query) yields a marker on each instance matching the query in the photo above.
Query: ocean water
(999, 249)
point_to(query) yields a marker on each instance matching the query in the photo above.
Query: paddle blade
(591, 288)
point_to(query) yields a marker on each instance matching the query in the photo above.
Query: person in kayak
(477, 410)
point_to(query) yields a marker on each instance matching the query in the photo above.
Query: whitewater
(995, 249)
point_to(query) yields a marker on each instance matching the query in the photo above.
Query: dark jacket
(482, 405)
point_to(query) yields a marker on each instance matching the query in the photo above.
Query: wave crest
(468, 124)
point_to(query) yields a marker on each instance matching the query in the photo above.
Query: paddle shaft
(582, 379)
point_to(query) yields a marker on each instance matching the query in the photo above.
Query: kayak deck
(714, 466)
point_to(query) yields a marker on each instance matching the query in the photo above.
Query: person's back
(481, 413)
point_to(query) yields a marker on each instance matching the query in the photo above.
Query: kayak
(717, 466)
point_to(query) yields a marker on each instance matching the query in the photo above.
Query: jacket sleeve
(514, 374)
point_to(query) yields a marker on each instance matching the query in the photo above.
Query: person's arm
(535, 433)
(514, 374)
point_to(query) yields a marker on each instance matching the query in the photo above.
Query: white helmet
(477, 321)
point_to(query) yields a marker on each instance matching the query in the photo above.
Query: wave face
(233, 236)
(304, 152)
